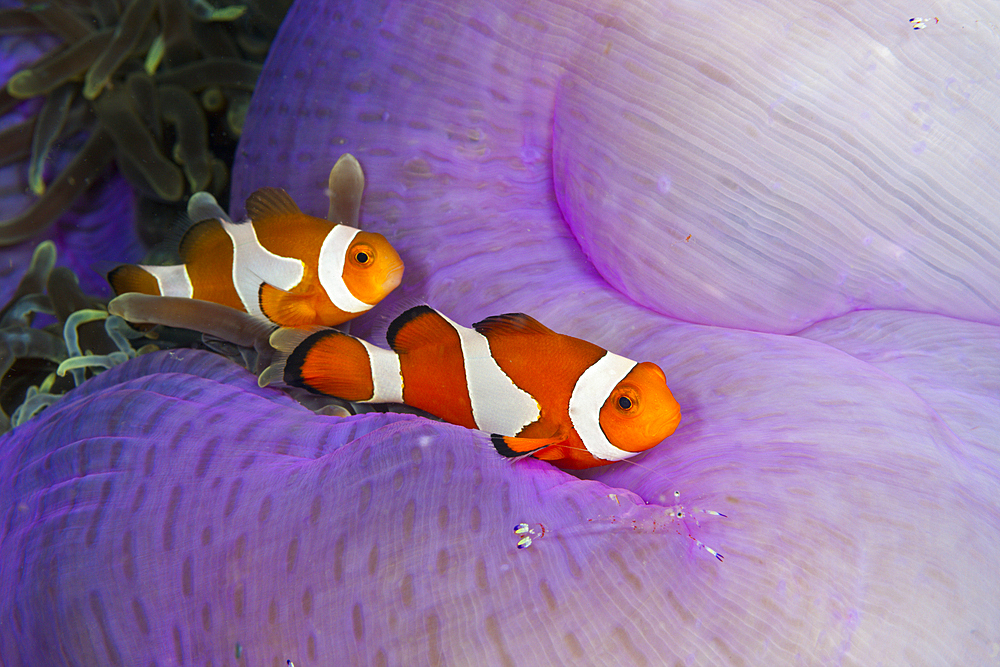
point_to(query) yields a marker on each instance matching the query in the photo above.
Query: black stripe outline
(403, 319)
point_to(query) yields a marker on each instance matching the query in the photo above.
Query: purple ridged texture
(552, 158)
(757, 165)
(169, 512)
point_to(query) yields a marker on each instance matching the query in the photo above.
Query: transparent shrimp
(675, 518)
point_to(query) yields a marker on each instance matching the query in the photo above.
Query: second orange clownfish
(294, 269)
(539, 393)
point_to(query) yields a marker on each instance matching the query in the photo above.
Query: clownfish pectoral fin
(418, 327)
(513, 447)
(283, 341)
(285, 308)
(511, 323)
(266, 203)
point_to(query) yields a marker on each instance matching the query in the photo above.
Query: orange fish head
(372, 267)
(640, 412)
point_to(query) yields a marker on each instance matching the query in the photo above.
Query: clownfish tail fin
(284, 342)
(131, 278)
(346, 185)
(324, 361)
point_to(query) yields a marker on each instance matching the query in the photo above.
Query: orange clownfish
(539, 393)
(294, 269)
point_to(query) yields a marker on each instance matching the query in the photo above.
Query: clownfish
(537, 392)
(294, 269)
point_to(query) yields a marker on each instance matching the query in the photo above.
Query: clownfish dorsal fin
(511, 323)
(286, 308)
(266, 203)
(205, 239)
(418, 327)
(514, 447)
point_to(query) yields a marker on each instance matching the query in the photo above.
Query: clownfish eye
(363, 256)
(624, 402)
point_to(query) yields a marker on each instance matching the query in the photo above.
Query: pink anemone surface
(790, 207)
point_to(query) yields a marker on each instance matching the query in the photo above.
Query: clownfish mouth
(665, 426)
(392, 280)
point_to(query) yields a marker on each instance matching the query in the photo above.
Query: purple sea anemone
(99, 226)
(731, 190)
(160, 89)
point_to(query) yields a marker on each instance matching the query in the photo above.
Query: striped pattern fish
(294, 269)
(537, 392)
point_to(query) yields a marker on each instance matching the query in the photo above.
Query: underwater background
(791, 207)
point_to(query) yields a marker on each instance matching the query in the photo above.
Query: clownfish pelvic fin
(513, 447)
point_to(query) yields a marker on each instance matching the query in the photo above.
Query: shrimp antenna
(528, 533)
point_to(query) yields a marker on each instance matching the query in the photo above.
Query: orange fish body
(294, 269)
(552, 396)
